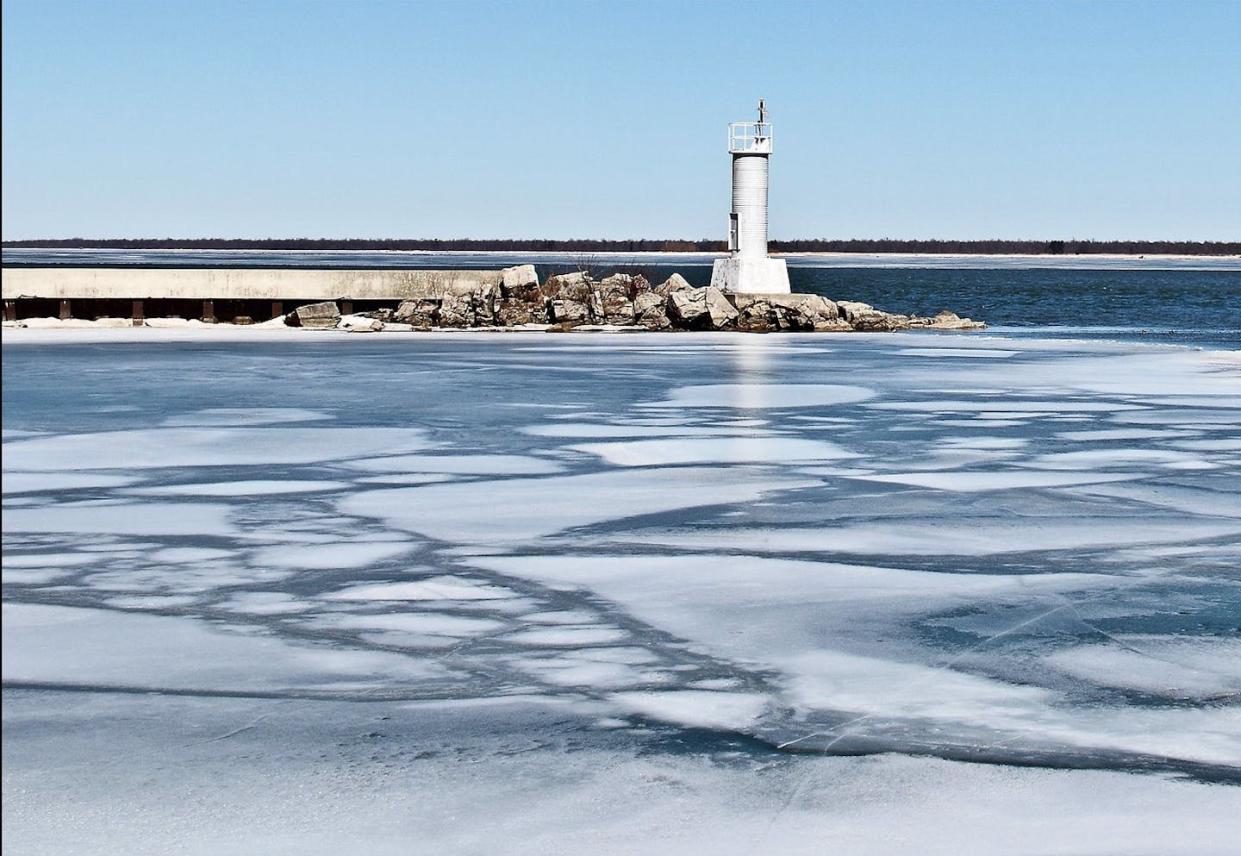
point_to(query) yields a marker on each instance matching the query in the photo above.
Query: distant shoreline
(1050, 249)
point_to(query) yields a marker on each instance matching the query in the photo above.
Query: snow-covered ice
(539, 593)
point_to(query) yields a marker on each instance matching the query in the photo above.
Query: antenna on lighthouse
(748, 268)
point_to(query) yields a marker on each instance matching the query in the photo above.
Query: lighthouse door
(732, 232)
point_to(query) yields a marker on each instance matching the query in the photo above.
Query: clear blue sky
(607, 119)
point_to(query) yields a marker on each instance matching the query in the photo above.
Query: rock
(422, 312)
(612, 300)
(945, 320)
(865, 318)
(676, 282)
(569, 312)
(649, 311)
(397, 327)
(687, 308)
(879, 322)
(568, 286)
(520, 281)
(513, 312)
(766, 313)
(722, 313)
(381, 314)
(483, 303)
(759, 316)
(456, 310)
(851, 309)
(315, 316)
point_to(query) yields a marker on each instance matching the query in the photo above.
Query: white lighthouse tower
(747, 268)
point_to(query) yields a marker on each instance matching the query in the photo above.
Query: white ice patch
(1091, 458)
(181, 555)
(752, 396)
(434, 588)
(265, 603)
(481, 465)
(1006, 409)
(357, 554)
(1210, 503)
(202, 447)
(407, 479)
(986, 353)
(238, 416)
(573, 671)
(256, 487)
(723, 450)
(1104, 434)
(970, 482)
(71, 646)
(47, 560)
(568, 636)
(1179, 667)
(696, 708)
(960, 536)
(431, 623)
(32, 482)
(574, 430)
(831, 680)
(146, 518)
(518, 510)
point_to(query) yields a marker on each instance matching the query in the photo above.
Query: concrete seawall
(223, 292)
(66, 283)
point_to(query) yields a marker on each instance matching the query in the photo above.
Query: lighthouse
(748, 268)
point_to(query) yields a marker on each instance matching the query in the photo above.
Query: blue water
(1185, 301)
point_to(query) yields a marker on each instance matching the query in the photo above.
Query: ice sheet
(632, 575)
(533, 508)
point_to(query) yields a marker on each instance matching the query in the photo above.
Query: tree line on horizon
(645, 245)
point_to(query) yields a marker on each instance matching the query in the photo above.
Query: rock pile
(573, 300)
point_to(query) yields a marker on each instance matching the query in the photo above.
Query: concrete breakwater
(407, 300)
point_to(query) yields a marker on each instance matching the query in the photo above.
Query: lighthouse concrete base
(751, 275)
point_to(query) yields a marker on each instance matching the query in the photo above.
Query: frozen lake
(532, 593)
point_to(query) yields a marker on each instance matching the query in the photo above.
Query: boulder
(649, 311)
(945, 320)
(456, 310)
(758, 316)
(483, 303)
(676, 282)
(687, 308)
(315, 316)
(722, 313)
(520, 281)
(569, 312)
(850, 309)
(879, 322)
(422, 312)
(612, 300)
(513, 312)
(865, 318)
(570, 286)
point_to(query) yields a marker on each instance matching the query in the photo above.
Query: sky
(955, 120)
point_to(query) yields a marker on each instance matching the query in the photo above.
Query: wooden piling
(209, 311)
(66, 310)
(277, 308)
(137, 315)
(10, 310)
